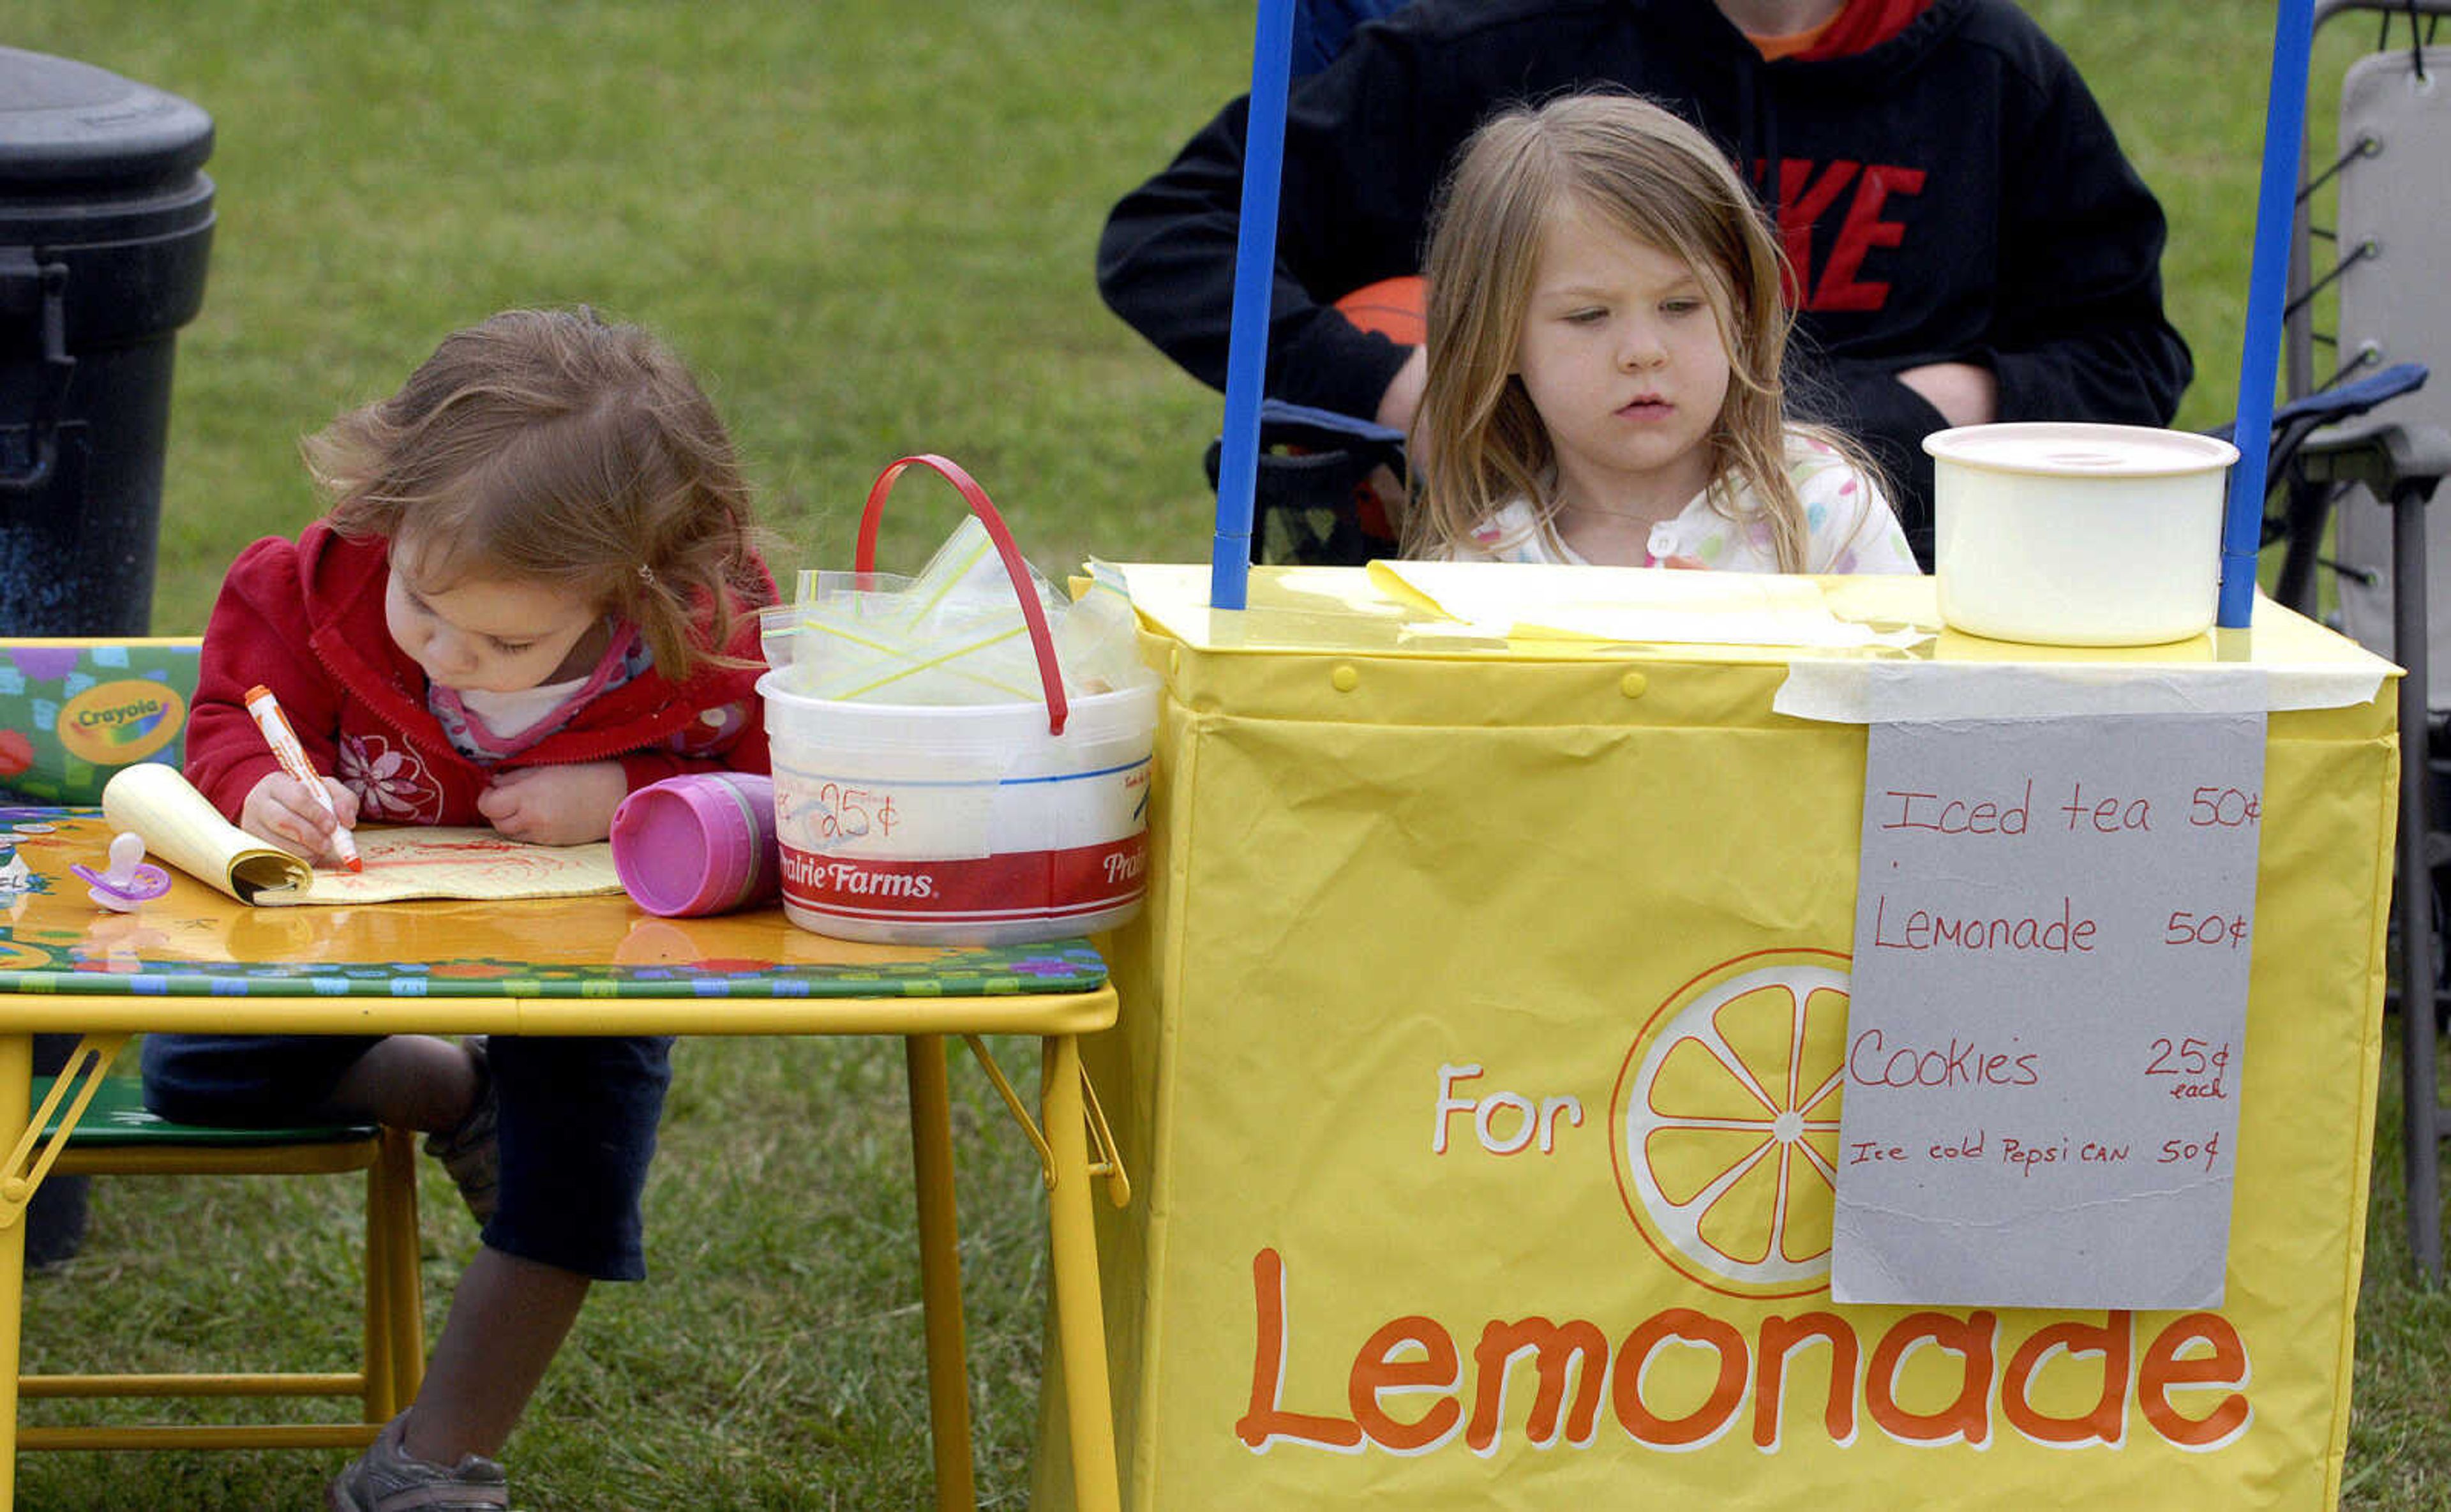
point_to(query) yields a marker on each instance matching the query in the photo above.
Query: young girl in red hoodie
(535, 591)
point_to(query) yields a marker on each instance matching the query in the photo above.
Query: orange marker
(292, 756)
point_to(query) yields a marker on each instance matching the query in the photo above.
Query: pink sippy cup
(703, 843)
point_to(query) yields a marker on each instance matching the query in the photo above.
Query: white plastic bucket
(960, 825)
(2077, 534)
(975, 824)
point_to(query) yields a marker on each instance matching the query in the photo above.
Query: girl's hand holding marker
(314, 821)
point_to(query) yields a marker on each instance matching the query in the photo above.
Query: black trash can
(105, 220)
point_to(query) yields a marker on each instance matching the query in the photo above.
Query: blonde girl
(1605, 335)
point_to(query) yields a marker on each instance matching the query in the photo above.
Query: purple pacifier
(129, 880)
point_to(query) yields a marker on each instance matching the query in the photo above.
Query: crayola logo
(114, 723)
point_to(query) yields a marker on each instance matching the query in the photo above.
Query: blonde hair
(1638, 168)
(555, 447)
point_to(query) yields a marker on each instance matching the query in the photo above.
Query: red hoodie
(305, 618)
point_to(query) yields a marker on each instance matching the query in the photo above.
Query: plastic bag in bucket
(968, 824)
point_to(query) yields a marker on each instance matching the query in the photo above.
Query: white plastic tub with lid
(2077, 534)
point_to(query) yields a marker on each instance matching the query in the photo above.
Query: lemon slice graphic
(1727, 1115)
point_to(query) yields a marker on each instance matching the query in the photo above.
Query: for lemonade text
(1411, 1390)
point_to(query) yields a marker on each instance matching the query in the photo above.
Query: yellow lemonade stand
(1422, 899)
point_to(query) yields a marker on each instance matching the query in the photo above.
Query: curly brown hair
(554, 446)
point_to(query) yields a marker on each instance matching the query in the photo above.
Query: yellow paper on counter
(1549, 602)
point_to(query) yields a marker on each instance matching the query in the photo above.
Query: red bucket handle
(1050, 676)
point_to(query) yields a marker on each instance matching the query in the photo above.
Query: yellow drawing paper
(180, 825)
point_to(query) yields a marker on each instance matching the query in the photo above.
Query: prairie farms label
(1051, 885)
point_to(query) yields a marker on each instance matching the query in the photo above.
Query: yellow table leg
(940, 1272)
(16, 1092)
(1080, 1319)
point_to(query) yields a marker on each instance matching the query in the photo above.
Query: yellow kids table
(1424, 898)
(194, 960)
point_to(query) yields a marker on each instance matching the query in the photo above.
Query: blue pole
(2284, 125)
(1255, 263)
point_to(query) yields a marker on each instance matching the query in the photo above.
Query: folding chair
(2385, 243)
(1311, 505)
(117, 1137)
(2383, 287)
(43, 686)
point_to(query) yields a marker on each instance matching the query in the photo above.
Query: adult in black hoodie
(1951, 197)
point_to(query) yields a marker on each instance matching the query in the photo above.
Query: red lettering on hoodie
(1802, 196)
(1806, 190)
(1862, 231)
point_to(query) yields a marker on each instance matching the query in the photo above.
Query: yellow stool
(118, 1137)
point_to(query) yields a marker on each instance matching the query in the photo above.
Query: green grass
(2400, 1455)
(870, 228)
(870, 232)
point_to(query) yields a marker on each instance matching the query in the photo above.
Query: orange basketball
(1392, 307)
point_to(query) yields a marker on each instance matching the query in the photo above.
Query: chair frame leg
(395, 1346)
(2422, 1120)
